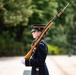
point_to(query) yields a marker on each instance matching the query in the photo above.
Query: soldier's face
(35, 34)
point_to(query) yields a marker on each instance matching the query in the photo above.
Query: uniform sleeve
(41, 56)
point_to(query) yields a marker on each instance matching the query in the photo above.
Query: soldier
(38, 57)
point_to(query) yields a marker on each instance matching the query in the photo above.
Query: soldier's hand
(23, 61)
(35, 48)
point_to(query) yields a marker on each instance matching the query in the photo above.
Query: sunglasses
(33, 31)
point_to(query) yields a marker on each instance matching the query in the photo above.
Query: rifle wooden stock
(28, 55)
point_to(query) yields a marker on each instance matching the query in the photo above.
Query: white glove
(23, 61)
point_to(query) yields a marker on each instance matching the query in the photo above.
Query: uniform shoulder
(42, 42)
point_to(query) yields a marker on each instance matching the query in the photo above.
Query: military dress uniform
(37, 60)
(38, 57)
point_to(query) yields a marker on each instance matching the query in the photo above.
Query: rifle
(37, 40)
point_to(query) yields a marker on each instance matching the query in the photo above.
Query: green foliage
(58, 36)
(43, 11)
(20, 13)
(15, 11)
(72, 38)
(10, 47)
(14, 15)
(52, 49)
(55, 50)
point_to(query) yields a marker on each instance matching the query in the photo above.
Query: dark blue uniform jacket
(37, 60)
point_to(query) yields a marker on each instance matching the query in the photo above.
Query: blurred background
(17, 16)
